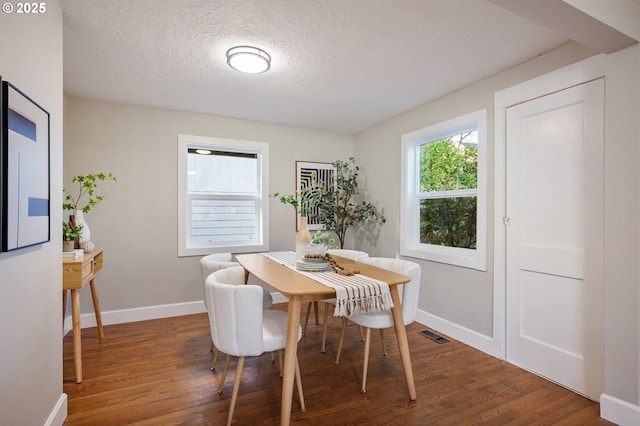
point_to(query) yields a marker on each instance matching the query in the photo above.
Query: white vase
(86, 232)
(303, 238)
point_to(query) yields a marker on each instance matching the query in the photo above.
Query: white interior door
(554, 240)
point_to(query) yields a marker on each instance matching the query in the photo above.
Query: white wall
(137, 225)
(622, 234)
(462, 299)
(31, 279)
(457, 295)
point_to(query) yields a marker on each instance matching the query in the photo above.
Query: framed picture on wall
(306, 173)
(25, 188)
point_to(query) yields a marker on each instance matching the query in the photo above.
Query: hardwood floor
(157, 373)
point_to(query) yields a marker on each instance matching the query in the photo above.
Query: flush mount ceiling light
(248, 59)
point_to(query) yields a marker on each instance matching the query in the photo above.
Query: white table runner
(355, 294)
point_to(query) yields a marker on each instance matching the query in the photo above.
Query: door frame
(563, 78)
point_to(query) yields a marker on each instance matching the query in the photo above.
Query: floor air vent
(433, 336)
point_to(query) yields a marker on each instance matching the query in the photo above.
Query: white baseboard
(472, 338)
(462, 334)
(139, 314)
(611, 408)
(618, 411)
(278, 297)
(147, 313)
(59, 412)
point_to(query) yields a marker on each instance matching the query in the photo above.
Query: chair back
(410, 291)
(214, 262)
(235, 313)
(356, 255)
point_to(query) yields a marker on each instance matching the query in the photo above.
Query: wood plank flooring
(157, 373)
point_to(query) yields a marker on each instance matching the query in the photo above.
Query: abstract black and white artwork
(25, 170)
(310, 174)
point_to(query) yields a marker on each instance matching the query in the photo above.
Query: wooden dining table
(300, 289)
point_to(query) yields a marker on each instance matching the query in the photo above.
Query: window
(443, 215)
(222, 188)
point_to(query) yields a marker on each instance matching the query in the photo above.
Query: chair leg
(316, 312)
(384, 346)
(365, 368)
(342, 332)
(306, 319)
(215, 359)
(280, 361)
(325, 323)
(227, 361)
(299, 386)
(236, 386)
(273, 357)
(361, 333)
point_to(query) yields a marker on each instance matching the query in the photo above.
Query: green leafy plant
(87, 189)
(323, 238)
(286, 199)
(302, 201)
(70, 233)
(340, 207)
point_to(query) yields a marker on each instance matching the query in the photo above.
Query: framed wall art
(25, 205)
(308, 172)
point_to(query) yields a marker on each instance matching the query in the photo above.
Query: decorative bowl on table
(314, 259)
(315, 251)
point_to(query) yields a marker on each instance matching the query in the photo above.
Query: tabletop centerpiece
(300, 204)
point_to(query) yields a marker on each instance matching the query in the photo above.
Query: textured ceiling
(338, 65)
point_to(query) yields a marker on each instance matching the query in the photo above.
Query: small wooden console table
(76, 273)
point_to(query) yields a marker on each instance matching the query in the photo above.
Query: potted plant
(341, 207)
(69, 235)
(84, 199)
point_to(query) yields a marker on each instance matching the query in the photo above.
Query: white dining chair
(215, 262)
(241, 327)
(329, 304)
(381, 320)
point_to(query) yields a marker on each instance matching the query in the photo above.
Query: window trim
(233, 145)
(410, 195)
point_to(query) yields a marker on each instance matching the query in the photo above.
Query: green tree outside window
(449, 166)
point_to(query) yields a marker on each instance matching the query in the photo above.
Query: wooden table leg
(290, 356)
(77, 341)
(403, 343)
(96, 307)
(64, 305)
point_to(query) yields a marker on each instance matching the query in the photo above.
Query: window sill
(202, 251)
(452, 256)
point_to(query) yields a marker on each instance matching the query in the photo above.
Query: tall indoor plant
(84, 199)
(340, 207)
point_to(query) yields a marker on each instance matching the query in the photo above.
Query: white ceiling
(338, 65)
